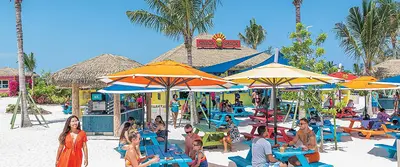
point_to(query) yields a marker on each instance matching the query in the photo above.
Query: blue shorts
(374, 104)
(275, 164)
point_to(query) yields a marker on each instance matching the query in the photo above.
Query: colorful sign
(218, 41)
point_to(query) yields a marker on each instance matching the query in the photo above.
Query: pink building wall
(10, 79)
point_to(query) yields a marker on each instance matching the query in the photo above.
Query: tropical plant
(393, 25)
(25, 121)
(30, 65)
(357, 69)
(307, 54)
(47, 93)
(254, 34)
(365, 31)
(3, 94)
(178, 19)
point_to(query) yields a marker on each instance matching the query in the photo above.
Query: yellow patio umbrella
(366, 83)
(274, 75)
(166, 74)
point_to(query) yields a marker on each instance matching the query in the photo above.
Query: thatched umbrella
(85, 74)
(387, 69)
(208, 57)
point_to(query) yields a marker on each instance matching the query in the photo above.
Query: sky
(65, 32)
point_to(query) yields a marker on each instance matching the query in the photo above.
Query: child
(200, 159)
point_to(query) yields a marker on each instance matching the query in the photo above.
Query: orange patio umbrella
(166, 74)
(365, 83)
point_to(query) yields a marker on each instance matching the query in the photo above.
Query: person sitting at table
(308, 142)
(261, 150)
(233, 134)
(383, 116)
(229, 108)
(132, 157)
(160, 130)
(199, 159)
(131, 120)
(123, 139)
(189, 138)
(153, 125)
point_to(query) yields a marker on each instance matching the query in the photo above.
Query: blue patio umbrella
(121, 89)
(391, 81)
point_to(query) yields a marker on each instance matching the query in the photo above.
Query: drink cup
(281, 149)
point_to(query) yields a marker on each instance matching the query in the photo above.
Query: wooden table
(281, 132)
(328, 131)
(211, 136)
(289, 152)
(221, 121)
(147, 134)
(366, 131)
(262, 118)
(178, 158)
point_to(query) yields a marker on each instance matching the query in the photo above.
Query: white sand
(36, 146)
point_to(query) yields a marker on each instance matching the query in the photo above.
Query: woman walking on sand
(72, 140)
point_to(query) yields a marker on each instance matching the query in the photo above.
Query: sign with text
(217, 41)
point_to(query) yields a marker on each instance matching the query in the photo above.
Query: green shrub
(57, 100)
(3, 94)
(10, 109)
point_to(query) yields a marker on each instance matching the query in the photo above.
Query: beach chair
(392, 150)
(67, 110)
(184, 112)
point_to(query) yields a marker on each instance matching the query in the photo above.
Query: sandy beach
(36, 146)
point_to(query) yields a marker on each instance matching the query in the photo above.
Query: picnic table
(328, 131)
(365, 129)
(147, 134)
(266, 114)
(282, 156)
(179, 157)
(221, 121)
(211, 136)
(283, 137)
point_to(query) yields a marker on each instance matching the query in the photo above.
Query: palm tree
(363, 35)
(394, 23)
(254, 34)
(297, 4)
(178, 19)
(30, 65)
(25, 121)
(357, 69)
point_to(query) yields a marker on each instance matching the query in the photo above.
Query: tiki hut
(85, 75)
(208, 57)
(387, 69)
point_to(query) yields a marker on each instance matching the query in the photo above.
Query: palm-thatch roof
(85, 74)
(7, 72)
(209, 57)
(387, 69)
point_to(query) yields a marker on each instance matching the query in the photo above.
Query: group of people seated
(262, 149)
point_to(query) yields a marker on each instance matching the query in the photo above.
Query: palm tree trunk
(25, 121)
(32, 80)
(193, 112)
(298, 18)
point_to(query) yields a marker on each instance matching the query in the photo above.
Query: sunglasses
(188, 132)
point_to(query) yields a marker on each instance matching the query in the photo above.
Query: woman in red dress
(72, 141)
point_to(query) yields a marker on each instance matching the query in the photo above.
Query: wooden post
(148, 107)
(117, 113)
(75, 100)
